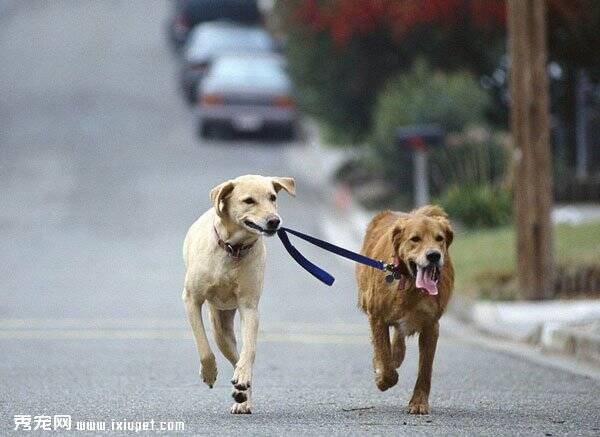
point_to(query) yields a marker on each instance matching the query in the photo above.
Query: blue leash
(317, 271)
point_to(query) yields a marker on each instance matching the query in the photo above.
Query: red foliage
(345, 18)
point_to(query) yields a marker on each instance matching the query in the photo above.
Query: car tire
(190, 95)
(205, 131)
(212, 130)
(287, 132)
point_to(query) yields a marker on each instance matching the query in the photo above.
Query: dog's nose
(433, 256)
(273, 222)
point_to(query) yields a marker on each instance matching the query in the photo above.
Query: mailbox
(419, 139)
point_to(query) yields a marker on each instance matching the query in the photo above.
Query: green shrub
(421, 96)
(341, 53)
(478, 206)
(468, 164)
(338, 87)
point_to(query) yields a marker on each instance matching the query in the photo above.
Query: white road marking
(180, 323)
(21, 329)
(171, 329)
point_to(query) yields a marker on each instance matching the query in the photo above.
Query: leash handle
(334, 249)
(311, 268)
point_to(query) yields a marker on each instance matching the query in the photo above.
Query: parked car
(246, 93)
(210, 40)
(189, 13)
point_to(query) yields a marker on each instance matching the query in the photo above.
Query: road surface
(101, 175)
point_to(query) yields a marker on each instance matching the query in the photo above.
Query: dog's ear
(288, 184)
(433, 211)
(449, 233)
(219, 194)
(398, 233)
(448, 230)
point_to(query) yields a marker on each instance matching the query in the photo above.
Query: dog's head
(421, 240)
(251, 202)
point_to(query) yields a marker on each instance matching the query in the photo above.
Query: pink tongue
(425, 280)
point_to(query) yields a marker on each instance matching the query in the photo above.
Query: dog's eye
(273, 198)
(249, 201)
(439, 238)
(415, 239)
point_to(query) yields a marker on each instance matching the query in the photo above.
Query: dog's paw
(208, 371)
(385, 379)
(243, 408)
(418, 404)
(418, 408)
(240, 396)
(241, 377)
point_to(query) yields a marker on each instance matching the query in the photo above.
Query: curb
(580, 341)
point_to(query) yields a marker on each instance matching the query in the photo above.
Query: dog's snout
(273, 222)
(433, 256)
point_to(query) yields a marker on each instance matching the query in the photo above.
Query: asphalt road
(101, 175)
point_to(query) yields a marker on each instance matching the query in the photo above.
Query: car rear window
(241, 11)
(246, 70)
(218, 40)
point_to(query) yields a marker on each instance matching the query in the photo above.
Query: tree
(342, 52)
(531, 133)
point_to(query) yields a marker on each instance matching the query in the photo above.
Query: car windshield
(254, 71)
(208, 41)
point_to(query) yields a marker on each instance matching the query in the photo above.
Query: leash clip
(390, 267)
(393, 270)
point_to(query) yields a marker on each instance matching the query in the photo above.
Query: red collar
(237, 251)
(398, 274)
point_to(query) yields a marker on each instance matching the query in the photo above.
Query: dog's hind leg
(222, 321)
(398, 346)
(193, 308)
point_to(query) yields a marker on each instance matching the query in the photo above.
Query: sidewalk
(569, 327)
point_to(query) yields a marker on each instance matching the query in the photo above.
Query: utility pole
(531, 134)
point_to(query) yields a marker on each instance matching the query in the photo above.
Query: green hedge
(478, 206)
(422, 96)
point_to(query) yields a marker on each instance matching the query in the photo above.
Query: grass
(478, 255)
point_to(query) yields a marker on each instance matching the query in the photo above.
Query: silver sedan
(247, 94)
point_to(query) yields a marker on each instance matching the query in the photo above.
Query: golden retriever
(225, 261)
(417, 243)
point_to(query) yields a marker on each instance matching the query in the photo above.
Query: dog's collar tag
(395, 274)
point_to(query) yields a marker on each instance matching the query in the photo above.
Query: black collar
(237, 251)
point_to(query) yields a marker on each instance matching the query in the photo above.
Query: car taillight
(199, 66)
(181, 22)
(284, 102)
(211, 99)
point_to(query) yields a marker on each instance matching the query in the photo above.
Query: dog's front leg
(242, 375)
(193, 308)
(385, 374)
(419, 404)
